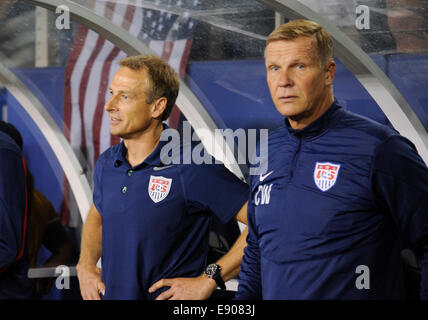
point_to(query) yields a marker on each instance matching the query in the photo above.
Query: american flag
(93, 62)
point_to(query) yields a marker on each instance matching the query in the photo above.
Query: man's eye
(274, 68)
(300, 66)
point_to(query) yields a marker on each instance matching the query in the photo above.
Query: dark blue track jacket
(328, 218)
(14, 283)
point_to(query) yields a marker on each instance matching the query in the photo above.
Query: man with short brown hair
(159, 73)
(150, 221)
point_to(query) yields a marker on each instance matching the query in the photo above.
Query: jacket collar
(319, 126)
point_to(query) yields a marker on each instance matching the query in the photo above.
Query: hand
(90, 282)
(198, 288)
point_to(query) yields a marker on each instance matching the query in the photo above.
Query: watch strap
(216, 276)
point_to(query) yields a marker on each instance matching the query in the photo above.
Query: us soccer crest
(325, 175)
(159, 188)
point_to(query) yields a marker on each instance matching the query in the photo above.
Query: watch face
(211, 270)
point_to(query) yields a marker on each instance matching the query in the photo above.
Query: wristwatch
(213, 271)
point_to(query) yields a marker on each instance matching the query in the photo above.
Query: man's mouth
(114, 120)
(288, 98)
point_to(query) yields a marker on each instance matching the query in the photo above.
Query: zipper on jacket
(293, 163)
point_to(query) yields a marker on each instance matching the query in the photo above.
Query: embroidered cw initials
(263, 194)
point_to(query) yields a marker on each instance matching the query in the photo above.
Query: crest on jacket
(325, 175)
(159, 188)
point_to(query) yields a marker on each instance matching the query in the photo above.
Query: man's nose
(111, 104)
(285, 78)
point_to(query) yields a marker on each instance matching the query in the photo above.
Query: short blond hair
(305, 28)
(163, 80)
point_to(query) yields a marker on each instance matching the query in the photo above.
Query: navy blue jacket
(14, 283)
(328, 218)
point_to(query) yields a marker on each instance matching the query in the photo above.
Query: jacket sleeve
(249, 277)
(12, 206)
(400, 186)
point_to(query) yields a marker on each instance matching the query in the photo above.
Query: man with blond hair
(342, 194)
(150, 221)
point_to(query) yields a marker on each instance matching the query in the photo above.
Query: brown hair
(162, 82)
(305, 28)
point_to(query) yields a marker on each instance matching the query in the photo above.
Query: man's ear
(158, 107)
(330, 70)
